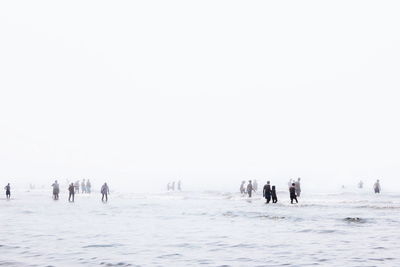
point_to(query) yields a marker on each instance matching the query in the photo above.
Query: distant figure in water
(173, 186)
(360, 184)
(104, 192)
(297, 187)
(292, 191)
(273, 194)
(88, 187)
(8, 190)
(83, 186)
(168, 186)
(179, 185)
(377, 187)
(56, 190)
(267, 192)
(76, 185)
(255, 185)
(242, 189)
(71, 189)
(250, 188)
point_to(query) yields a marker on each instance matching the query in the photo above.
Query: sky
(140, 93)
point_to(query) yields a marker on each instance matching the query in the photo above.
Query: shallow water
(192, 229)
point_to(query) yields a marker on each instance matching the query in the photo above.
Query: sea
(206, 228)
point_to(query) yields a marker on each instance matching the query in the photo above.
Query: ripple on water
(103, 246)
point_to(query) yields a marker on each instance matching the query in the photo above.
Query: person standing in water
(179, 185)
(255, 185)
(83, 186)
(71, 189)
(104, 192)
(173, 186)
(242, 189)
(297, 187)
(267, 192)
(88, 187)
(273, 194)
(56, 190)
(377, 187)
(8, 191)
(250, 188)
(292, 191)
(360, 184)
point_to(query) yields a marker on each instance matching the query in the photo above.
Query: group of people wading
(105, 191)
(269, 192)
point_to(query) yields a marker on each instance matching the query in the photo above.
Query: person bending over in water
(71, 190)
(250, 188)
(292, 191)
(273, 194)
(267, 192)
(8, 190)
(377, 187)
(104, 192)
(56, 190)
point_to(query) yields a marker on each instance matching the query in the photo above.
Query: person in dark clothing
(250, 188)
(292, 191)
(273, 194)
(267, 192)
(8, 190)
(377, 187)
(104, 192)
(71, 190)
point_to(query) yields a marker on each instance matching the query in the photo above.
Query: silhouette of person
(104, 192)
(267, 192)
(242, 189)
(88, 187)
(377, 187)
(273, 194)
(360, 184)
(292, 191)
(255, 185)
(179, 185)
(83, 186)
(8, 191)
(250, 188)
(71, 190)
(56, 190)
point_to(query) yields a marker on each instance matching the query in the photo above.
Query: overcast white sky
(207, 91)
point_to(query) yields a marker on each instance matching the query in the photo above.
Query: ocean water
(200, 229)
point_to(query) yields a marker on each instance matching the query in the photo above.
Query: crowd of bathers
(269, 191)
(171, 186)
(73, 188)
